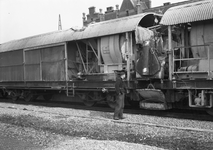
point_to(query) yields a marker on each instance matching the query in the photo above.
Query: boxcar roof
(104, 28)
(197, 11)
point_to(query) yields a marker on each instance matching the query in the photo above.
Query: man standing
(120, 89)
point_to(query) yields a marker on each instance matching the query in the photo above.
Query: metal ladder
(70, 91)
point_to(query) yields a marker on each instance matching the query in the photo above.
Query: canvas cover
(11, 66)
(45, 64)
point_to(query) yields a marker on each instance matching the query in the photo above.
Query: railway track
(174, 113)
(128, 122)
(139, 126)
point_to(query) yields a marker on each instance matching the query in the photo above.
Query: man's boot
(115, 118)
(121, 114)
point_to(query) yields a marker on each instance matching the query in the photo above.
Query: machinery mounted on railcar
(168, 60)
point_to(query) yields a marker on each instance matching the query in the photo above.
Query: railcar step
(153, 106)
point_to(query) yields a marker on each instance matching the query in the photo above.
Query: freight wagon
(79, 63)
(168, 60)
(190, 54)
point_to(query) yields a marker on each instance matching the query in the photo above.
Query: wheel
(13, 96)
(111, 101)
(210, 112)
(47, 97)
(89, 103)
(89, 100)
(4, 94)
(30, 97)
(132, 102)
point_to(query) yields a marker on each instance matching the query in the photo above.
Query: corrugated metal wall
(193, 12)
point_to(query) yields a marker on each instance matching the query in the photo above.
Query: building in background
(128, 7)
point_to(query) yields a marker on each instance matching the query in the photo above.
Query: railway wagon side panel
(45, 64)
(53, 64)
(11, 66)
(33, 65)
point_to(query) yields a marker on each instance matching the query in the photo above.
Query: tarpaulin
(142, 35)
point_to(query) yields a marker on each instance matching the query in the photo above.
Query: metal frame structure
(193, 82)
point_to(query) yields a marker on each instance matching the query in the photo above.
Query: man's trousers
(118, 114)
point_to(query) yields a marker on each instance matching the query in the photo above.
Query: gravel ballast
(82, 129)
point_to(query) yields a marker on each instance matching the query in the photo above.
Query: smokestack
(117, 7)
(101, 15)
(166, 4)
(117, 10)
(149, 4)
(84, 19)
(91, 10)
(138, 6)
(109, 9)
(142, 5)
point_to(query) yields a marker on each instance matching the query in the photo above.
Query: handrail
(191, 46)
(189, 59)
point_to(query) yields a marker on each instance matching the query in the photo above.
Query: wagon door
(45, 64)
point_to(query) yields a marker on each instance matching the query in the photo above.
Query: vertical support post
(186, 41)
(203, 100)
(190, 98)
(24, 69)
(87, 57)
(182, 50)
(131, 53)
(183, 43)
(209, 64)
(41, 64)
(211, 100)
(66, 61)
(66, 68)
(170, 52)
(128, 50)
(99, 51)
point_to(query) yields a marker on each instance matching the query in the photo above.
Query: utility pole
(59, 23)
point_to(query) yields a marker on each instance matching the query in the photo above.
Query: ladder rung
(70, 90)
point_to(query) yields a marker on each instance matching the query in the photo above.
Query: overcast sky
(22, 18)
